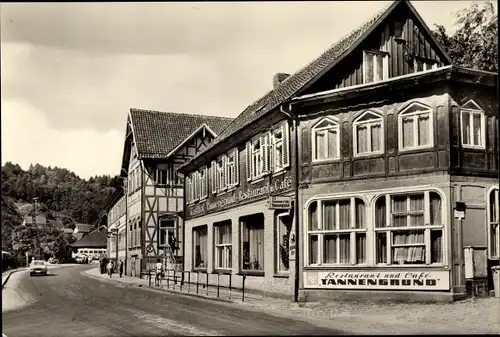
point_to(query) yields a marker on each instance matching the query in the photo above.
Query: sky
(71, 71)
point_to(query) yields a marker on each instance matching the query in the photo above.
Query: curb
(153, 288)
(4, 282)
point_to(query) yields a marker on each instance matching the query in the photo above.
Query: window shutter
(196, 183)
(264, 139)
(236, 171)
(205, 182)
(187, 187)
(213, 176)
(223, 173)
(249, 161)
(286, 141)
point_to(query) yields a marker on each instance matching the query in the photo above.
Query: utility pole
(35, 227)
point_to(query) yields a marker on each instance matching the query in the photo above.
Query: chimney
(278, 78)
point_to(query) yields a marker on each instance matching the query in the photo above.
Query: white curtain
(330, 249)
(380, 219)
(476, 122)
(332, 143)
(417, 204)
(408, 132)
(256, 250)
(399, 206)
(362, 138)
(345, 248)
(360, 247)
(423, 129)
(376, 136)
(435, 211)
(344, 214)
(320, 145)
(313, 249)
(329, 210)
(466, 128)
(360, 214)
(313, 218)
(381, 247)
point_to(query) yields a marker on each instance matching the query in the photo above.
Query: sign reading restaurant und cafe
(213, 204)
(389, 280)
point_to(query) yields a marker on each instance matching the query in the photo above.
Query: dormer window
(422, 64)
(375, 66)
(473, 125)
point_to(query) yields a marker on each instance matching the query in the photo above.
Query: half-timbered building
(396, 172)
(156, 144)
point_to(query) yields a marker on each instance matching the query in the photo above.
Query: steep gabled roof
(157, 133)
(308, 74)
(95, 239)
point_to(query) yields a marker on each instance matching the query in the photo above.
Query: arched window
(337, 232)
(415, 127)
(473, 125)
(325, 140)
(403, 222)
(368, 134)
(493, 220)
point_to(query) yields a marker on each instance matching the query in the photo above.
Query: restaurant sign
(237, 196)
(390, 280)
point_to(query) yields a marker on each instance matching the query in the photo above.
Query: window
(166, 230)
(325, 140)
(232, 168)
(200, 235)
(409, 229)
(257, 166)
(375, 66)
(221, 174)
(162, 175)
(368, 134)
(203, 183)
(421, 64)
(415, 127)
(223, 245)
(337, 232)
(494, 229)
(252, 243)
(280, 156)
(473, 125)
(283, 227)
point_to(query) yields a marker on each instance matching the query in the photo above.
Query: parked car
(53, 260)
(81, 259)
(38, 267)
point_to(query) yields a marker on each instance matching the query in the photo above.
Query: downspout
(295, 118)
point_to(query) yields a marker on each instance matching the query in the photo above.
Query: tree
(10, 219)
(474, 44)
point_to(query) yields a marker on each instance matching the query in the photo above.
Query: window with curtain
(257, 161)
(325, 140)
(415, 127)
(375, 66)
(368, 134)
(340, 226)
(232, 168)
(473, 125)
(166, 230)
(223, 245)
(252, 242)
(200, 254)
(494, 229)
(409, 229)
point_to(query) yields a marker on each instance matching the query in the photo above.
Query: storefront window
(200, 236)
(252, 242)
(410, 230)
(494, 230)
(223, 245)
(339, 226)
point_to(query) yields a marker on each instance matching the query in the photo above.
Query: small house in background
(92, 245)
(39, 220)
(67, 231)
(81, 230)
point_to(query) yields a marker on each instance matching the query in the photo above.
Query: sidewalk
(187, 289)
(6, 274)
(476, 316)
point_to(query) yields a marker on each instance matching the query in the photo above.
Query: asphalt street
(67, 303)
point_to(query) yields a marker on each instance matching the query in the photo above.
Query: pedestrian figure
(121, 267)
(159, 272)
(110, 268)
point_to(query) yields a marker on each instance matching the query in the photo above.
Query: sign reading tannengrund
(237, 196)
(410, 280)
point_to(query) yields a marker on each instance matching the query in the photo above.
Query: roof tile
(158, 133)
(295, 82)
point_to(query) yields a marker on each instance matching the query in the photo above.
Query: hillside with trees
(63, 198)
